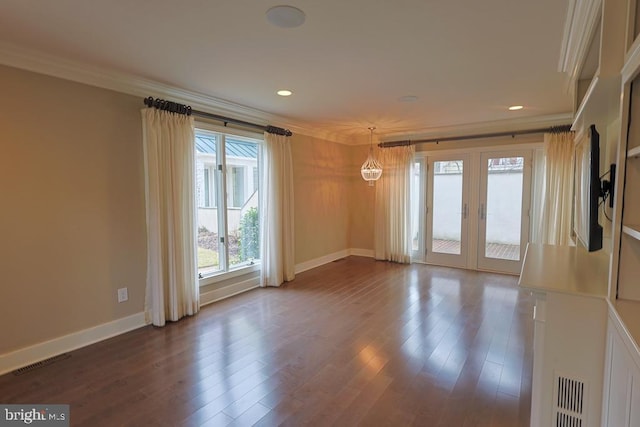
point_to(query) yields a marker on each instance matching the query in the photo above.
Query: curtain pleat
(392, 213)
(276, 212)
(171, 289)
(557, 197)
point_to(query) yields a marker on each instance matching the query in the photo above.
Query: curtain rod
(552, 129)
(174, 107)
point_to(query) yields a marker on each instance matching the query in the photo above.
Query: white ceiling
(348, 65)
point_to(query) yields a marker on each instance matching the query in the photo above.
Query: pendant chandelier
(371, 169)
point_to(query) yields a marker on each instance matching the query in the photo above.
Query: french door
(447, 210)
(477, 209)
(503, 215)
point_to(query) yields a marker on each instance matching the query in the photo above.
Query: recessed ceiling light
(408, 98)
(284, 92)
(285, 16)
(516, 107)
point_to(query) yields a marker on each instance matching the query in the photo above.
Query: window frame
(220, 181)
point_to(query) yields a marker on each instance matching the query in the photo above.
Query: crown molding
(579, 29)
(79, 72)
(523, 123)
(47, 64)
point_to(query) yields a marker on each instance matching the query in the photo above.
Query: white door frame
(495, 264)
(438, 258)
(473, 197)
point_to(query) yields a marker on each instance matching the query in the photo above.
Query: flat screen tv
(587, 190)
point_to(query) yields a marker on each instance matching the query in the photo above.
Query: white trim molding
(326, 259)
(579, 28)
(369, 253)
(66, 69)
(79, 72)
(209, 297)
(41, 351)
(317, 262)
(523, 123)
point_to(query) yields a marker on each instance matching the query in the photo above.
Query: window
(227, 199)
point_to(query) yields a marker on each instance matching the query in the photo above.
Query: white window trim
(244, 269)
(225, 275)
(228, 131)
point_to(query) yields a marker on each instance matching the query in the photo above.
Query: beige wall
(321, 196)
(333, 204)
(361, 202)
(72, 219)
(73, 222)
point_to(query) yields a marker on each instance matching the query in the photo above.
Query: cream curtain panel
(557, 190)
(392, 211)
(172, 289)
(276, 211)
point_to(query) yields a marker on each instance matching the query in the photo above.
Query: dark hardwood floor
(354, 342)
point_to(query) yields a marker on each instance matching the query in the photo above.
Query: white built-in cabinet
(570, 318)
(628, 239)
(621, 403)
(607, 95)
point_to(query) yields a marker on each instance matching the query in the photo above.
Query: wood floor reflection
(354, 342)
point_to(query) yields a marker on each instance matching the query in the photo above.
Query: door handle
(465, 211)
(482, 212)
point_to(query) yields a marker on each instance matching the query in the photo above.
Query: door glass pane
(447, 206)
(207, 215)
(504, 208)
(242, 201)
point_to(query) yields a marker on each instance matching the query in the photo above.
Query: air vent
(570, 396)
(41, 364)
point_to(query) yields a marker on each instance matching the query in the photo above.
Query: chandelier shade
(371, 169)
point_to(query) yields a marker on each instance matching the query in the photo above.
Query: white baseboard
(35, 353)
(229, 291)
(361, 252)
(317, 262)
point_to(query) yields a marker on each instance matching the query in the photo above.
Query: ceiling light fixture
(371, 169)
(516, 107)
(285, 16)
(284, 92)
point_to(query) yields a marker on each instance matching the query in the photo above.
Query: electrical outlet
(123, 295)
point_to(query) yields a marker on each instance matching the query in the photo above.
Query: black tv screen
(587, 190)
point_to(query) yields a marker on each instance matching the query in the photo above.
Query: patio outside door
(447, 210)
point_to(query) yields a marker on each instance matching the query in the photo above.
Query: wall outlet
(123, 295)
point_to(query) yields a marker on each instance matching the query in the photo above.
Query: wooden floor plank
(354, 342)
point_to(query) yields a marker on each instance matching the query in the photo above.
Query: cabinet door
(634, 416)
(619, 384)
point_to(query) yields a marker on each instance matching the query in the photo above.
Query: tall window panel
(227, 195)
